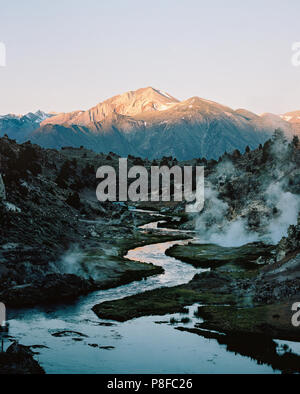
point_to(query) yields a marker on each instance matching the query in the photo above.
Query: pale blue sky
(64, 55)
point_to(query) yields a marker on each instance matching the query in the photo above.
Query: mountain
(20, 126)
(151, 123)
(128, 104)
(293, 118)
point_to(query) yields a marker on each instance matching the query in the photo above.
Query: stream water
(143, 345)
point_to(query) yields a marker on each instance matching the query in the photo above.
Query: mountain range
(19, 127)
(151, 123)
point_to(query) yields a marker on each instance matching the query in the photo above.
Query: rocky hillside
(49, 216)
(253, 196)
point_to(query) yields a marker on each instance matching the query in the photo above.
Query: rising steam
(276, 207)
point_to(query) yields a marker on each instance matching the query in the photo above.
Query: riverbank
(168, 300)
(234, 280)
(95, 263)
(19, 360)
(57, 241)
(112, 344)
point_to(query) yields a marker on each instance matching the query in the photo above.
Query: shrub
(74, 200)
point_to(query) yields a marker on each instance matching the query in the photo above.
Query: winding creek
(143, 345)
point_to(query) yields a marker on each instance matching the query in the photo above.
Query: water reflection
(144, 345)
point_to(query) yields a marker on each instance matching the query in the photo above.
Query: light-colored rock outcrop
(2, 189)
(294, 119)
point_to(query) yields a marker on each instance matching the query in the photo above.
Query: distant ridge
(151, 123)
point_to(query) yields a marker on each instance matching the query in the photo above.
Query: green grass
(158, 302)
(213, 256)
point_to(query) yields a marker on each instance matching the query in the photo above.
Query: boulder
(18, 360)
